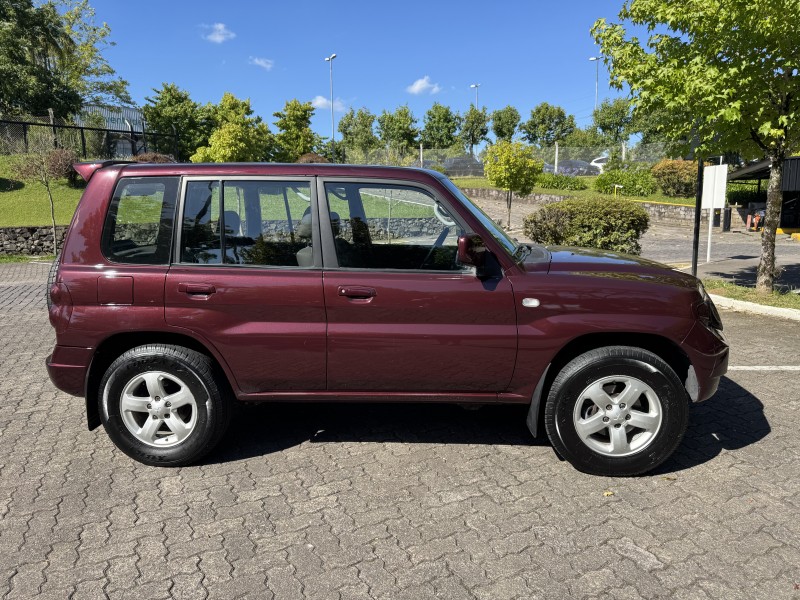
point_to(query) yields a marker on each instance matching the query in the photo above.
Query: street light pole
(596, 60)
(476, 86)
(329, 59)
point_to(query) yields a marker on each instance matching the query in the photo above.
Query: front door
(245, 279)
(403, 315)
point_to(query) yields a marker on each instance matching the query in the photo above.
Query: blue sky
(388, 54)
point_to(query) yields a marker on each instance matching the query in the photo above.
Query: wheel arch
(661, 346)
(114, 346)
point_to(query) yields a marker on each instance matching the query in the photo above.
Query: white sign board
(715, 183)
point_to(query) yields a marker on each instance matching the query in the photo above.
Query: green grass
(482, 183)
(25, 203)
(16, 258)
(738, 292)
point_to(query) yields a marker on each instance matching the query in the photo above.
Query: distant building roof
(761, 169)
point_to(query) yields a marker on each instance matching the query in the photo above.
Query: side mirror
(472, 251)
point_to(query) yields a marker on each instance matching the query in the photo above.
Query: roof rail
(87, 169)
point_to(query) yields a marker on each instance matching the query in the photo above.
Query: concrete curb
(758, 309)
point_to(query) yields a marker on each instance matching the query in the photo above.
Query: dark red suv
(182, 288)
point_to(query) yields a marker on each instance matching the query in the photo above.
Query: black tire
(616, 371)
(204, 413)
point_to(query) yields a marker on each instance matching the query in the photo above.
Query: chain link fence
(22, 137)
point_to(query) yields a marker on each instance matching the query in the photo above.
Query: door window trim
(329, 258)
(315, 232)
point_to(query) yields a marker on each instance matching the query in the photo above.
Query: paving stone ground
(394, 501)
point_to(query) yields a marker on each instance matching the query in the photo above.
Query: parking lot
(368, 501)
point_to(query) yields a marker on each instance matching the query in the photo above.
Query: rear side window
(139, 223)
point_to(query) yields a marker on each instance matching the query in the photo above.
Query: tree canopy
(547, 125)
(397, 131)
(719, 76)
(474, 128)
(358, 135)
(440, 127)
(614, 120)
(505, 122)
(238, 136)
(511, 166)
(171, 107)
(295, 136)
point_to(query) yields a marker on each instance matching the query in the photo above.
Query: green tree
(547, 125)
(85, 68)
(613, 118)
(583, 144)
(440, 127)
(238, 136)
(505, 122)
(171, 108)
(358, 135)
(722, 76)
(511, 166)
(295, 136)
(397, 131)
(32, 41)
(474, 128)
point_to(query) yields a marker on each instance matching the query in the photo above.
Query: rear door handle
(197, 289)
(357, 292)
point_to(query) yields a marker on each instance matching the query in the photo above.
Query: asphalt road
(355, 501)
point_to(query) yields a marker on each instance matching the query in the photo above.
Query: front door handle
(197, 289)
(357, 292)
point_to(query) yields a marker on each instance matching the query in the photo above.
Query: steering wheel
(442, 215)
(437, 244)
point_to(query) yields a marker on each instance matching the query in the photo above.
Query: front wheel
(163, 405)
(617, 411)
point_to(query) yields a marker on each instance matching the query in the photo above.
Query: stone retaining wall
(32, 241)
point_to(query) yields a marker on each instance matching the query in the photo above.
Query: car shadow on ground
(732, 419)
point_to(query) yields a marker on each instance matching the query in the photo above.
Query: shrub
(153, 157)
(743, 193)
(590, 222)
(635, 181)
(676, 178)
(59, 163)
(312, 157)
(551, 181)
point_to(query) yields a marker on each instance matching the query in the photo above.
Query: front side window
(253, 222)
(139, 223)
(377, 226)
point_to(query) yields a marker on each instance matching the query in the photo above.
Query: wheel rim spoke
(593, 424)
(134, 404)
(155, 387)
(181, 398)
(598, 395)
(178, 428)
(644, 420)
(619, 440)
(633, 390)
(148, 431)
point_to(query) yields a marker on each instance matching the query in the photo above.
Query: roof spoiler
(87, 169)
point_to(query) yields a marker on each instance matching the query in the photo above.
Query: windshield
(496, 232)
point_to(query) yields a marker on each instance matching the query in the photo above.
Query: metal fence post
(83, 144)
(25, 137)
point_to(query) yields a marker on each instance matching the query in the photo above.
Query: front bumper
(67, 367)
(708, 352)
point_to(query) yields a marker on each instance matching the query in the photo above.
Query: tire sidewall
(126, 368)
(674, 407)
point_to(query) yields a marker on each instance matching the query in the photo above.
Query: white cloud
(264, 63)
(424, 85)
(323, 103)
(218, 33)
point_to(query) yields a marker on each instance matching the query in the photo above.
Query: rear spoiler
(87, 169)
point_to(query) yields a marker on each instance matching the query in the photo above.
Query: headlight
(706, 311)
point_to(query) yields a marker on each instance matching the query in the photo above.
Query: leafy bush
(59, 163)
(676, 178)
(591, 222)
(153, 157)
(635, 181)
(743, 193)
(551, 181)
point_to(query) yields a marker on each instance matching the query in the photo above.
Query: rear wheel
(616, 411)
(162, 405)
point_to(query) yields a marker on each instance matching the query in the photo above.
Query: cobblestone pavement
(394, 501)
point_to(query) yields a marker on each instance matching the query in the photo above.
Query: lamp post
(329, 59)
(476, 86)
(596, 60)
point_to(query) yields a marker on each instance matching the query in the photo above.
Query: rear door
(247, 277)
(403, 315)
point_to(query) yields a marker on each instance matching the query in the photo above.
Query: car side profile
(183, 288)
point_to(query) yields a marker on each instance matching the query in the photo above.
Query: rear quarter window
(139, 224)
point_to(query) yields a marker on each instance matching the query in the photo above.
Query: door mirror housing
(472, 252)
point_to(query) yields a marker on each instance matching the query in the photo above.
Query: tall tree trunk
(766, 266)
(508, 204)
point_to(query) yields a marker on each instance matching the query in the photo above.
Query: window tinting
(139, 223)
